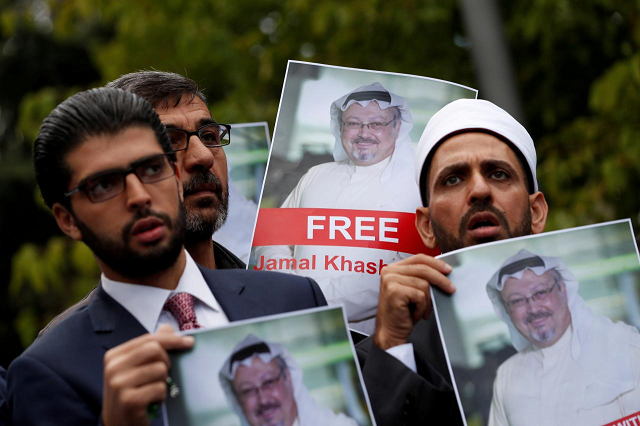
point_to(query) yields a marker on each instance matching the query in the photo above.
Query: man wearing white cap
(572, 366)
(476, 168)
(373, 170)
(263, 385)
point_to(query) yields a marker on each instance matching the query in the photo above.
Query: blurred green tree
(576, 65)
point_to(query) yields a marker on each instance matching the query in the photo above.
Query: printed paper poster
(288, 369)
(340, 193)
(543, 330)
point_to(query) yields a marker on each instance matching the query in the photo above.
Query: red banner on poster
(339, 227)
(632, 420)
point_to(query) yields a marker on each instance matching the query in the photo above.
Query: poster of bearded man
(293, 369)
(543, 330)
(340, 196)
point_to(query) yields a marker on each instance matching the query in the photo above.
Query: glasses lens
(103, 187)
(154, 169)
(225, 134)
(178, 139)
(209, 135)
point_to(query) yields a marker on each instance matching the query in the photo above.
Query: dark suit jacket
(58, 380)
(224, 260)
(401, 397)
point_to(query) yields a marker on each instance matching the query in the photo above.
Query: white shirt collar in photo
(145, 303)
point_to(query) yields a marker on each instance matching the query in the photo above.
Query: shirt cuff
(404, 354)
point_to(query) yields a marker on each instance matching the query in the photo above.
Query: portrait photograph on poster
(247, 157)
(289, 369)
(543, 329)
(340, 193)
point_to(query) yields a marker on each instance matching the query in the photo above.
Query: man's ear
(539, 210)
(424, 227)
(66, 221)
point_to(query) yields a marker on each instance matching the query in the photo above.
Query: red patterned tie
(181, 307)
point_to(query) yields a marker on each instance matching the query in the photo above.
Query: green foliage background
(577, 65)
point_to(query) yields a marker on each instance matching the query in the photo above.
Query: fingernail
(447, 268)
(188, 339)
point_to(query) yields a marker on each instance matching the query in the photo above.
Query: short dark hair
(86, 114)
(159, 88)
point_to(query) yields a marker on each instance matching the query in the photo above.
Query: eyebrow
(199, 123)
(463, 167)
(117, 169)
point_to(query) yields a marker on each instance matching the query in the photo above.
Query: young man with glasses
(373, 170)
(263, 385)
(572, 366)
(198, 141)
(106, 168)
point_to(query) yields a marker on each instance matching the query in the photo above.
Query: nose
(197, 156)
(479, 189)
(364, 129)
(137, 194)
(263, 397)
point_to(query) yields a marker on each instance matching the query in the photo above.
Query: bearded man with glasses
(572, 366)
(263, 386)
(373, 170)
(198, 142)
(107, 169)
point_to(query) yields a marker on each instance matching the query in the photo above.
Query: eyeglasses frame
(227, 128)
(124, 173)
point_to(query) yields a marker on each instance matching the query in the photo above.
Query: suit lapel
(112, 323)
(235, 298)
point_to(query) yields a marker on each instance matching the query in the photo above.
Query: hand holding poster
(346, 136)
(544, 329)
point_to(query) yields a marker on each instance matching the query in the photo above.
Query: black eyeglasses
(267, 385)
(538, 296)
(357, 126)
(109, 183)
(213, 135)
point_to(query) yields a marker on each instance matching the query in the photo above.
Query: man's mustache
(478, 207)
(141, 214)
(536, 315)
(201, 178)
(359, 139)
(266, 407)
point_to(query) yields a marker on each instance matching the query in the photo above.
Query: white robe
(547, 387)
(343, 185)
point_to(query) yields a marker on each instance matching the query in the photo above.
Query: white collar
(145, 302)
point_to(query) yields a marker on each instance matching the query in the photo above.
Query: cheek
(517, 318)
(249, 406)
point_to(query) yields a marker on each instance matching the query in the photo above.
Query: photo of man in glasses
(263, 385)
(572, 365)
(373, 170)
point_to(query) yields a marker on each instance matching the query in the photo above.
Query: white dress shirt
(145, 303)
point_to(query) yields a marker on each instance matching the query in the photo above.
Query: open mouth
(484, 225)
(146, 224)
(483, 220)
(148, 230)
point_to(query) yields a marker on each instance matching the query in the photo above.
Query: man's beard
(119, 256)
(448, 242)
(541, 336)
(201, 226)
(365, 154)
